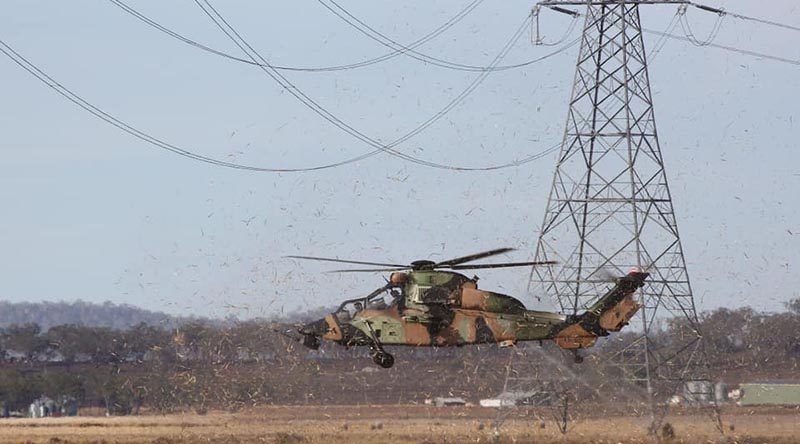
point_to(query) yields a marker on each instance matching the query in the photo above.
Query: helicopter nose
(316, 328)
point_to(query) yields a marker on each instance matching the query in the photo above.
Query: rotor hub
(423, 265)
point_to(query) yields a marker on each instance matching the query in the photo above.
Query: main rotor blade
(472, 257)
(504, 265)
(344, 261)
(368, 270)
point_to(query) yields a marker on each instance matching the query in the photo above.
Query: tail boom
(611, 313)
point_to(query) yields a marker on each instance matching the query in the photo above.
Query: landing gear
(383, 359)
(379, 355)
(578, 358)
(311, 341)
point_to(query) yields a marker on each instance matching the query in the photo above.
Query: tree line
(201, 365)
(107, 314)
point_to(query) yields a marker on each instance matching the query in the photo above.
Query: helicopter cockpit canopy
(435, 287)
(379, 299)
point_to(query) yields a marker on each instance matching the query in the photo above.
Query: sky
(91, 213)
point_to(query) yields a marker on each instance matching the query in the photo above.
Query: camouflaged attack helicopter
(425, 304)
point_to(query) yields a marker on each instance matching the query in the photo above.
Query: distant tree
(197, 341)
(25, 339)
(59, 384)
(727, 331)
(3, 353)
(793, 306)
(101, 345)
(256, 340)
(18, 390)
(114, 389)
(144, 341)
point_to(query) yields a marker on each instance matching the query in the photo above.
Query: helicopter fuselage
(437, 308)
(429, 306)
(457, 327)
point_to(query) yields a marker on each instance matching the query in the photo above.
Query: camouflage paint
(447, 309)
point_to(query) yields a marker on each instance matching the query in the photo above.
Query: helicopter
(427, 303)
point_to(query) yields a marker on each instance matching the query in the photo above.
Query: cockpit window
(381, 302)
(436, 295)
(415, 293)
(378, 300)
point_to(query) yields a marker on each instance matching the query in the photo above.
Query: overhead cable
(159, 143)
(394, 53)
(285, 83)
(690, 37)
(388, 42)
(727, 48)
(745, 17)
(687, 28)
(108, 118)
(662, 40)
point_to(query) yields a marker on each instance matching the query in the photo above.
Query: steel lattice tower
(610, 207)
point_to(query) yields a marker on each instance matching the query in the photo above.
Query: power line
(239, 41)
(662, 40)
(99, 113)
(388, 42)
(764, 22)
(419, 42)
(687, 28)
(62, 90)
(691, 38)
(727, 48)
(108, 118)
(264, 65)
(745, 17)
(156, 25)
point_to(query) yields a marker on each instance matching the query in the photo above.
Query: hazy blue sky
(89, 212)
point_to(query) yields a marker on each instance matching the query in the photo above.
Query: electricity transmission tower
(610, 207)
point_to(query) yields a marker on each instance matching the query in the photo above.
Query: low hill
(48, 314)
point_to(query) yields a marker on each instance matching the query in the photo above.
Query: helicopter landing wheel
(578, 358)
(311, 342)
(383, 359)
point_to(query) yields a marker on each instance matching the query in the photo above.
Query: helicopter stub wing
(327, 328)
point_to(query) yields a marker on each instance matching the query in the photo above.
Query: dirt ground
(398, 424)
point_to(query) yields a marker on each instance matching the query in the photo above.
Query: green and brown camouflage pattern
(442, 308)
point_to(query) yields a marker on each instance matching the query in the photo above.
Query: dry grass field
(394, 424)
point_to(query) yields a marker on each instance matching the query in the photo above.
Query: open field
(395, 424)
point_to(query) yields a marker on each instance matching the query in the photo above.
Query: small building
(521, 398)
(497, 402)
(770, 393)
(699, 391)
(446, 402)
